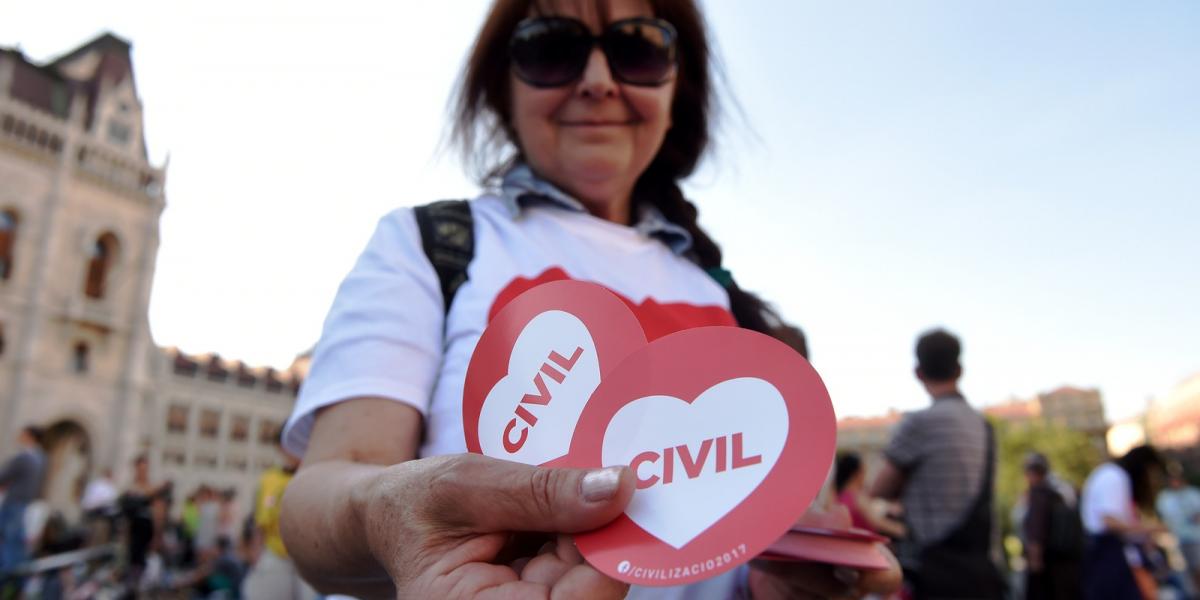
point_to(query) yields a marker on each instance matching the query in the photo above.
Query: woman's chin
(597, 170)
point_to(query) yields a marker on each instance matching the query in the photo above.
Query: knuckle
(543, 484)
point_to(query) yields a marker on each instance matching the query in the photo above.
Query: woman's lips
(595, 123)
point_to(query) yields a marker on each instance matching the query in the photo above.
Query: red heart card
(730, 434)
(803, 546)
(536, 365)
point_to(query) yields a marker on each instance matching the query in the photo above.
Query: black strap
(448, 237)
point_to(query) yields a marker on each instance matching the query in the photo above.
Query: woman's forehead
(593, 11)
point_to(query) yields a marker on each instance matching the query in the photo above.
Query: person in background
(1179, 507)
(21, 481)
(940, 464)
(141, 506)
(219, 574)
(273, 574)
(228, 524)
(208, 506)
(99, 504)
(1114, 564)
(849, 479)
(1052, 568)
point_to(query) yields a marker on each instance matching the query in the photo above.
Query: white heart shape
(552, 371)
(678, 511)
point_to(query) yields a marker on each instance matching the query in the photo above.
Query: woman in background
(1114, 563)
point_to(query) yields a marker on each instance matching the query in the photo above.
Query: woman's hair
(1140, 463)
(848, 465)
(483, 128)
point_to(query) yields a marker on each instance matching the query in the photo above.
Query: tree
(1071, 454)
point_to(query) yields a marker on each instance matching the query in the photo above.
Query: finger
(882, 581)
(583, 581)
(797, 578)
(567, 551)
(545, 569)
(481, 494)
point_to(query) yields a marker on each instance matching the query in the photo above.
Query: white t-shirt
(384, 335)
(1107, 492)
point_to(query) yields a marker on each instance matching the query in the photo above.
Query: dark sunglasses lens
(641, 53)
(549, 52)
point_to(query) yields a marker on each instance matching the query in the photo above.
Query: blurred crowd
(141, 539)
(1130, 530)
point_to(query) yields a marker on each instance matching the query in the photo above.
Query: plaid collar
(520, 189)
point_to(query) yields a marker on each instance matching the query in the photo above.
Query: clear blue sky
(1024, 173)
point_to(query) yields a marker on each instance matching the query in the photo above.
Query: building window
(207, 461)
(118, 133)
(268, 432)
(240, 430)
(80, 357)
(173, 457)
(8, 243)
(210, 423)
(236, 463)
(177, 419)
(104, 254)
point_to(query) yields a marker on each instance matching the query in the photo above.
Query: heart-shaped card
(536, 365)
(729, 432)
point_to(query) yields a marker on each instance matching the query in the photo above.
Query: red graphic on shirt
(657, 319)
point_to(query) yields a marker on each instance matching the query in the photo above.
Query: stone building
(1173, 421)
(79, 231)
(1074, 408)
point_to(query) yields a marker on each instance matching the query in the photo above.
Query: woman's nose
(597, 80)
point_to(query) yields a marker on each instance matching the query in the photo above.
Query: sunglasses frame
(593, 40)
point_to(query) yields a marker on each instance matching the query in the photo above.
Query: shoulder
(1108, 476)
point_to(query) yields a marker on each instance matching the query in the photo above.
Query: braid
(750, 311)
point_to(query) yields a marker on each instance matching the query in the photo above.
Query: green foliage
(1071, 454)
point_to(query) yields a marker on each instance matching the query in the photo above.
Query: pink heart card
(729, 432)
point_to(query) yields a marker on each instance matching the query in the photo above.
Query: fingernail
(846, 576)
(601, 484)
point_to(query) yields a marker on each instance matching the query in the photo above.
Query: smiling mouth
(595, 123)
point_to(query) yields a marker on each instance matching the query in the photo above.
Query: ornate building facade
(79, 232)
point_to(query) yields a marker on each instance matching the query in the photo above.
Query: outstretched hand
(460, 527)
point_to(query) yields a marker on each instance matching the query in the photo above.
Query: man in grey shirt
(21, 479)
(939, 464)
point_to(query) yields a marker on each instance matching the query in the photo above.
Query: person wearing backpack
(588, 115)
(1053, 537)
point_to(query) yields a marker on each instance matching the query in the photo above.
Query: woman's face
(593, 137)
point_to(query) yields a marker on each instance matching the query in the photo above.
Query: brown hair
(483, 128)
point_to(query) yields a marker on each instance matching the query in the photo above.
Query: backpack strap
(448, 237)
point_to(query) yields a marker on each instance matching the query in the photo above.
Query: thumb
(485, 495)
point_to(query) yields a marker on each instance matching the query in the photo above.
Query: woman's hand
(778, 579)
(445, 527)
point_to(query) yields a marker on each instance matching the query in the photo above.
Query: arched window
(8, 243)
(104, 255)
(80, 356)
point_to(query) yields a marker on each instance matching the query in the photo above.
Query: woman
(143, 506)
(849, 479)
(1113, 561)
(600, 131)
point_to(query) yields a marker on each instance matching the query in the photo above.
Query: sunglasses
(553, 51)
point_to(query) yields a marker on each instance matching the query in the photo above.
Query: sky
(1025, 174)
